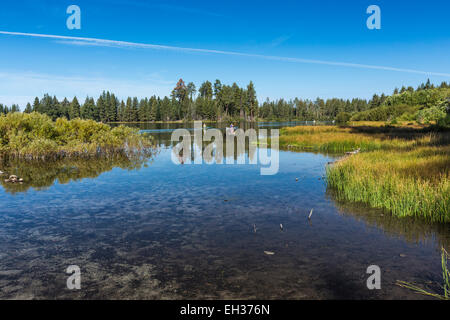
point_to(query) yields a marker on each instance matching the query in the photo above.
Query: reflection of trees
(410, 229)
(162, 132)
(214, 149)
(43, 174)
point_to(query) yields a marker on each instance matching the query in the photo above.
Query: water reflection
(163, 131)
(40, 175)
(410, 229)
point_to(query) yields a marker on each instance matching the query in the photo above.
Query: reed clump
(406, 183)
(35, 136)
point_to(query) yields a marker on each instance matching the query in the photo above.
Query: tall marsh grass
(405, 171)
(406, 183)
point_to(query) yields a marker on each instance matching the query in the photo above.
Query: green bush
(343, 118)
(435, 114)
(426, 98)
(385, 113)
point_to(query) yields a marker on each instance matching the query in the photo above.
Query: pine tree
(251, 100)
(121, 112)
(134, 110)
(74, 109)
(206, 90)
(111, 107)
(36, 105)
(143, 112)
(101, 107)
(28, 108)
(128, 115)
(152, 105)
(15, 108)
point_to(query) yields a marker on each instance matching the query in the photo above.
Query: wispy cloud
(276, 42)
(126, 44)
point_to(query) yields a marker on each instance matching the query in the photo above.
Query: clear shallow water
(187, 231)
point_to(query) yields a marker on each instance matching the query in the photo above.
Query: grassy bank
(36, 136)
(404, 169)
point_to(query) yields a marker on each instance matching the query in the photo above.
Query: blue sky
(414, 35)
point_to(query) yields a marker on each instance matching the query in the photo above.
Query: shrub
(343, 118)
(35, 135)
(435, 114)
(385, 113)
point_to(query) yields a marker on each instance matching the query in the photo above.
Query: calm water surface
(150, 229)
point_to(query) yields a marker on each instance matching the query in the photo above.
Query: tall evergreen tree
(36, 105)
(251, 100)
(28, 108)
(74, 110)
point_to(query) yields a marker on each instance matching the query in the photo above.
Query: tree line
(212, 101)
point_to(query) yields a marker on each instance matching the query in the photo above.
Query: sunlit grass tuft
(406, 183)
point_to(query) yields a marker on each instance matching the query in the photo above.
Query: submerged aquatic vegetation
(405, 171)
(36, 136)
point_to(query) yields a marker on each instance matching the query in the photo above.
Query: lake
(151, 229)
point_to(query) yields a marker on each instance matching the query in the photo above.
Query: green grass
(36, 136)
(406, 183)
(403, 170)
(445, 278)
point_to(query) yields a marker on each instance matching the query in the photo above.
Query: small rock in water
(270, 253)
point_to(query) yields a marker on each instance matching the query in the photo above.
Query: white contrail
(116, 43)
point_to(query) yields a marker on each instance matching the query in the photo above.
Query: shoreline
(406, 175)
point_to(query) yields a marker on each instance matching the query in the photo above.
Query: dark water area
(151, 229)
